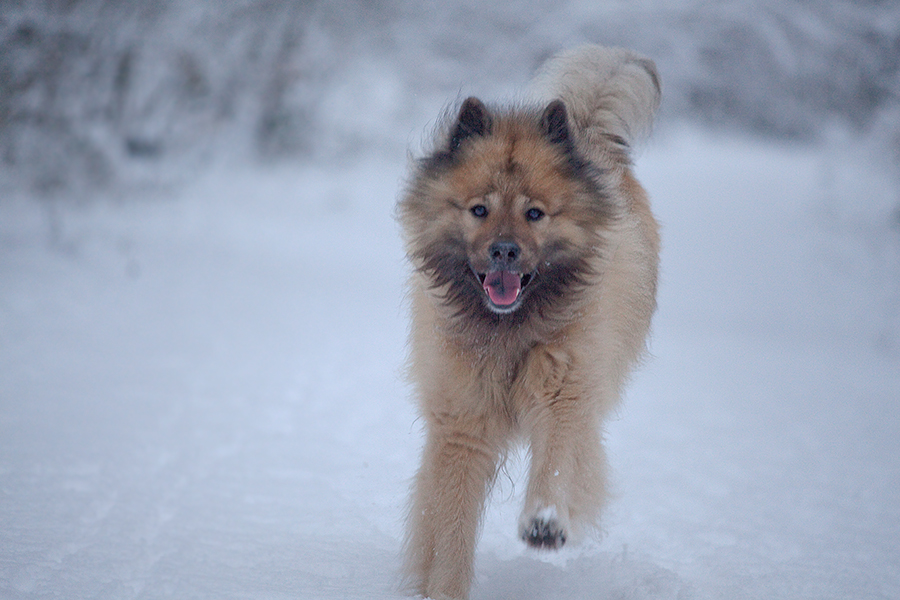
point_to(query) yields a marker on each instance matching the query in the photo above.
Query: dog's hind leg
(457, 469)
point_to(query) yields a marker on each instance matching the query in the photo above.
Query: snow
(201, 391)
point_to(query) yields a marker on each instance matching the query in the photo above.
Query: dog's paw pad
(544, 534)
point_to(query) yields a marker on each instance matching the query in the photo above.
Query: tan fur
(484, 381)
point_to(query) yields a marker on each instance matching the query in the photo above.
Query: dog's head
(504, 215)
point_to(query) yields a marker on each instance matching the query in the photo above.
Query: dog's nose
(504, 253)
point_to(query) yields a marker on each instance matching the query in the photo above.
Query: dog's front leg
(566, 480)
(458, 466)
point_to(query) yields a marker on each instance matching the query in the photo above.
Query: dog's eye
(479, 210)
(533, 214)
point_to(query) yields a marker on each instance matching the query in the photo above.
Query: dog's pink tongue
(503, 287)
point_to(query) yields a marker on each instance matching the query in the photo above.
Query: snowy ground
(201, 393)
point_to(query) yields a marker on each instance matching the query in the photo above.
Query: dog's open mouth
(504, 288)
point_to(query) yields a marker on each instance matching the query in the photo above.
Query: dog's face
(504, 241)
(505, 218)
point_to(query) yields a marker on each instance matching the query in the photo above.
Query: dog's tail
(611, 91)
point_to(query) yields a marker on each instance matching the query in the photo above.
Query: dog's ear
(473, 120)
(555, 125)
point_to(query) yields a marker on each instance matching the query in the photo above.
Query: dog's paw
(544, 533)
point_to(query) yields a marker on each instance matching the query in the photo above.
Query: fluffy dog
(535, 259)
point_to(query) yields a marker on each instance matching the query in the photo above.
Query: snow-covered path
(201, 396)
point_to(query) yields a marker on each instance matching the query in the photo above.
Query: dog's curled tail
(613, 90)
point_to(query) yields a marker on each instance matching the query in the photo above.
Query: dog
(534, 271)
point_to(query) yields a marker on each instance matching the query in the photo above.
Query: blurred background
(99, 93)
